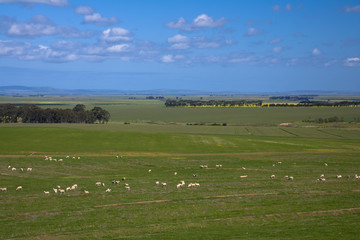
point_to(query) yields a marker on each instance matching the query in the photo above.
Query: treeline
(29, 113)
(328, 104)
(325, 120)
(217, 103)
(293, 98)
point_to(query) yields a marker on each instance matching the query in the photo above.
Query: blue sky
(228, 45)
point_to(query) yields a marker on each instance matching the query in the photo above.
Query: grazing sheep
(338, 176)
(272, 176)
(19, 188)
(273, 165)
(286, 177)
(195, 175)
(127, 188)
(356, 176)
(244, 176)
(126, 184)
(13, 169)
(279, 162)
(164, 184)
(62, 191)
(55, 190)
(73, 187)
(3, 189)
(9, 167)
(243, 168)
(322, 175)
(108, 190)
(60, 160)
(157, 182)
(123, 179)
(182, 182)
(321, 179)
(326, 164)
(78, 157)
(291, 178)
(67, 156)
(47, 192)
(179, 185)
(29, 169)
(86, 192)
(103, 184)
(175, 173)
(73, 157)
(149, 170)
(98, 183)
(68, 188)
(117, 157)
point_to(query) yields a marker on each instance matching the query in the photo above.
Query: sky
(217, 45)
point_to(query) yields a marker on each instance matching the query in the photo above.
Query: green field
(224, 206)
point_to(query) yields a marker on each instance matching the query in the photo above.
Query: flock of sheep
(59, 190)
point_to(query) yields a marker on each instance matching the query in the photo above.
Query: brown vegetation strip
(149, 154)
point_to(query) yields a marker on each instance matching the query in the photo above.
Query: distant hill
(27, 91)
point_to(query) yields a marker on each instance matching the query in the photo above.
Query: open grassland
(236, 201)
(224, 206)
(142, 110)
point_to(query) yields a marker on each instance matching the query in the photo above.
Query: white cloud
(253, 32)
(352, 62)
(275, 41)
(116, 34)
(178, 38)
(354, 9)
(207, 45)
(201, 21)
(56, 3)
(30, 30)
(119, 48)
(316, 52)
(277, 49)
(179, 46)
(96, 18)
(167, 59)
(275, 8)
(84, 10)
(288, 7)
(204, 20)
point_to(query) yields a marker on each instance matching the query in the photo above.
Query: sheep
(175, 173)
(60, 160)
(108, 190)
(73, 157)
(78, 157)
(182, 182)
(243, 168)
(273, 165)
(279, 162)
(195, 175)
(149, 170)
(62, 191)
(272, 176)
(164, 184)
(68, 188)
(47, 192)
(126, 184)
(244, 176)
(86, 192)
(9, 167)
(67, 156)
(179, 185)
(321, 179)
(338, 176)
(13, 169)
(356, 176)
(322, 175)
(103, 184)
(19, 188)
(58, 186)
(29, 169)
(73, 187)
(291, 178)
(326, 164)
(55, 190)
(117, 157)
(127, 188)
(98, 183)
(123, 179)
(157, 182)
(3, 189)
(286, 177)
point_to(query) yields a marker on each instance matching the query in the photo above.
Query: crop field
(237, 200)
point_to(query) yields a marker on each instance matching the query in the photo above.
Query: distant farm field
(305, 199)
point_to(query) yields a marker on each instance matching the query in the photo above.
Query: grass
(224, 206)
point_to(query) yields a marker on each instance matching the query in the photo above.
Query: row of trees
(218, 103)
(29, 113)
(325, 120)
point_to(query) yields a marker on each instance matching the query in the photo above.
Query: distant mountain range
(27, 91)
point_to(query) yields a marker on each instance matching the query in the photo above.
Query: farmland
(224, 206)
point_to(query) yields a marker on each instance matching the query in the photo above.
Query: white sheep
(149, 170)
(98, 183)
(338, 176)
(3, 189)
(175, 173)
(103, 184)
(55, 190)
(356, 176)
(108, 190)
(47, 192)
(62, 191)
(272, 176)
(67, 156)
(13, 169)
(164, 184)
(322, 175)
(244, 176)
(127, 188)
(157, 182)
(68, 188)
(9, 167)
(60, 160)
(86, 192)
(326, 164)
(19, 188)
(73, 187)
(291, 178)
(78, 157)
(243, 168)
(321, 179)
(29, 169)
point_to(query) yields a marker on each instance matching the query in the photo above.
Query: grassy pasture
(224, 206)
